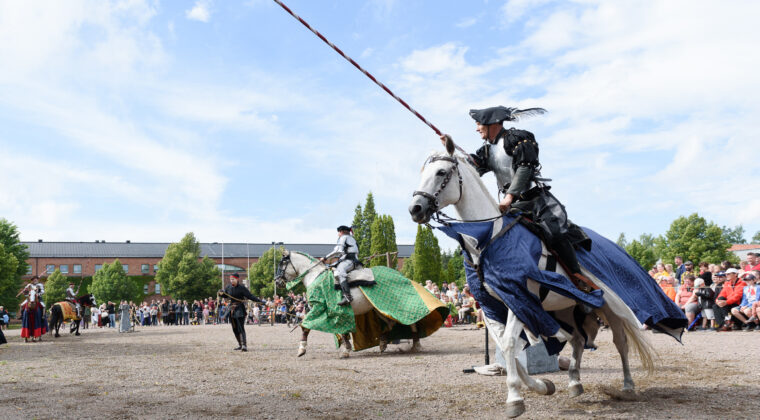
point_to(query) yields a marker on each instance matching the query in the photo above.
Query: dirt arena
(192, 372)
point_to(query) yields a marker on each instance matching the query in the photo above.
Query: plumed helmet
(499, 114)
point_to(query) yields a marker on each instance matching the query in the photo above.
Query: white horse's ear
(285, 252)
(449, 145)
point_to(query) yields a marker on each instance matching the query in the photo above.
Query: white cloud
(466, 22)
(201, 11)
(445, 57)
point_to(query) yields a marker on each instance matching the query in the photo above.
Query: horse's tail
(631, 325)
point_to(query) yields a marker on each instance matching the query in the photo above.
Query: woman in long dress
(124, 325)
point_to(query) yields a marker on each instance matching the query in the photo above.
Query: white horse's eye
(440, 172)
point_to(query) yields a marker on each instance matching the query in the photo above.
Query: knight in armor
(39, 287)
(237, 294)
(71, 297)
(512, 155)
(347, 252)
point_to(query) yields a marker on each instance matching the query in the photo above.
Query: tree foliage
(359, 231)
(13, 256)
(643, 250)
(383, 241)
(111, 283)
(427, 256)
(55, 288)
(261, 273)
(735, 235)
(452, 267)
(622, 241)
(756, 238)
(184, 275)
(10, 282)
(694, 239)
(408, 268)
(365, 227)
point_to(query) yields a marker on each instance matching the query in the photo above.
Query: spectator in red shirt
(730, 297)
(753, 262)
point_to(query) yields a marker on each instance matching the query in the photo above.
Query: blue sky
(144, 120)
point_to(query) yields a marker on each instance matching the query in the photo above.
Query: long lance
(366, 73)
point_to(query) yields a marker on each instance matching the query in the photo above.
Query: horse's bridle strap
(433, 198)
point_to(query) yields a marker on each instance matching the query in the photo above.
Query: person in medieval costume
(512, 155)
(71, 297)
(347, 252)
(237, 294)
(124, 314)
(33, 320)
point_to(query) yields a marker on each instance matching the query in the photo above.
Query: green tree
(643, 251)
(368, 217)
(10, 272)
(621, 241)
(183, 274)
(111, 283)
(55, 288)
(358, 231)
(695, 239)
(261, 273)
(427, 256)
(756, 238)
(9, 279)
(383, 241)
(452, 265)
(735, 235)
(408, 268)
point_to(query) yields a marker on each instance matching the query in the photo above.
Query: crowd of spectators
(718, 297)
(461, 303)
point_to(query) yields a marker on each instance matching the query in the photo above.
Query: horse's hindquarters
(361, 305)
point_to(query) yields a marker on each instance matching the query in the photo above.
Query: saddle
(360, 276)
(69, 310)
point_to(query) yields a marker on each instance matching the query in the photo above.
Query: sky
(144, 120)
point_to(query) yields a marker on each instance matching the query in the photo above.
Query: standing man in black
(237, 294)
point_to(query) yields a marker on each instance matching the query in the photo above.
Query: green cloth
(393, 295)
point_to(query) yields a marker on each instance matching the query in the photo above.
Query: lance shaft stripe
(366, 73)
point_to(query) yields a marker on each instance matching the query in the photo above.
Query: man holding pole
(237, 294)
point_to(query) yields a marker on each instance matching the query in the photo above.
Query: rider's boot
(243, 341)
(347, 299)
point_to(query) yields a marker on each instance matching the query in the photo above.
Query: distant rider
(71, 297)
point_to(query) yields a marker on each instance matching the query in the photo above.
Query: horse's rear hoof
(575, 390)
(515, 408)
(550, 388)
(344, 355)
(301, 352)
(57, 335)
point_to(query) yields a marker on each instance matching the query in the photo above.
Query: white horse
(294, 264)
(473, 202)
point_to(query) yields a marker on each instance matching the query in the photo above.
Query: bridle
(433, 198)
(438, 215)
(283, 268)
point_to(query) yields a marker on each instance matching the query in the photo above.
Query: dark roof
(157, 249)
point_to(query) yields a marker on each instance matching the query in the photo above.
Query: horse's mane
(312, 259)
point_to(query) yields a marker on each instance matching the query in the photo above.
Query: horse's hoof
(344, 355)
(416, 348)
(515, 408)
(57, 335)
(77, 334)
(301, 352)
(575, 390)
(383, 346)
(550, 388)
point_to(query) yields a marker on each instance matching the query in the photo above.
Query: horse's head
(88, 300)
(285, 270)
(439, 187)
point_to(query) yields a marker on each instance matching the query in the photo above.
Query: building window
(158, 289)
(145, 268)
(50, 268)
(64, 269)
(98, 267)
(77, 268)
(28, 269)
(125, 267)
(155, 268)
(145, 289)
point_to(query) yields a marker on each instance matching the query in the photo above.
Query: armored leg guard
(347, 299)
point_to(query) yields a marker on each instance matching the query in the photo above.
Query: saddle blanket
(69, 311)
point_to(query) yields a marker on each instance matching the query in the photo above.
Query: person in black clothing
(165, 312)
(237, 294)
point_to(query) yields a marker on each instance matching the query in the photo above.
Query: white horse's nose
(418, 210)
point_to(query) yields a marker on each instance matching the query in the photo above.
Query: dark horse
(65, 311)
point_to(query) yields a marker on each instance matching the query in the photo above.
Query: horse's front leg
(304, 338)
(507, 338)
(574, 371)
(416, 347)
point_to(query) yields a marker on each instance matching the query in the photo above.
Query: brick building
(83, 259)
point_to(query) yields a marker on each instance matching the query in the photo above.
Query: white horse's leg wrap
(301, 348)
(507, 338)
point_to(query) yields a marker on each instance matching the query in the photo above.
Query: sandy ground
(192, 372)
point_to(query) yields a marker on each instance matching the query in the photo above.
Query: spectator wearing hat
(730, 297)
(746, 311)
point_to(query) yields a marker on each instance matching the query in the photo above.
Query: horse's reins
(438, 215)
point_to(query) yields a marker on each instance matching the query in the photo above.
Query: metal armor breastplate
(351, 247)
(500, 163)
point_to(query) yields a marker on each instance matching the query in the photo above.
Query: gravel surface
(192, 372)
